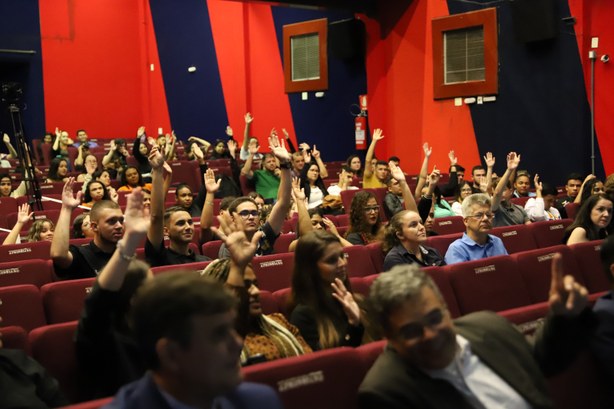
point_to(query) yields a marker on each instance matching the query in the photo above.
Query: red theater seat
(549, 233)
(93, 404)
(187, 172)
(53, 347)
(360, 286)
(198, 266)
(572, 209)
(588, 260)
(535, 267)
(440, 277)
(21, 305)
(37, 272)
(25, 251)
(359, 261)
(515, 238)
(63, 300)
(283, 241)
(7, 205)
(441, 243)
(282, 299)
(14, 337)
(368, 353)
(449, 225)
(268, 302)
(325, 379)
(377, 255)
(274, 271)
(211, 249)
(488, 284)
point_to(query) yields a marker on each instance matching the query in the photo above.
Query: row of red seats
(515, 285)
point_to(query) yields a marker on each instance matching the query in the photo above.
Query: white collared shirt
(479, 384)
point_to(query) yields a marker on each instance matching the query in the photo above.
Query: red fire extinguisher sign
(360, 123)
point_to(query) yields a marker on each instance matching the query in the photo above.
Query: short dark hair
(242, 199)
(173, 209)
(164, 307)
(382, 163)
(548, 189)
(80, 130)
(459, 168)
(182, 186)
(101, 205)
(477, 167)
(394, 159)
(607, 257)
(225, 202)
(573, 176)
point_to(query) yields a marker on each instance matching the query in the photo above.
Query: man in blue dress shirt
(476, 243)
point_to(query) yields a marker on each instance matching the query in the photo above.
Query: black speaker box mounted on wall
(534, 20)
(346, 39)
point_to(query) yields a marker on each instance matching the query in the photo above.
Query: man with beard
(107, 223)
(476, 243)
(175, 222)
(477, 361)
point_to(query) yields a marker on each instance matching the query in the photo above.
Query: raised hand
(210, 184)
(537, 183)
(304, 146)
(231, 232)
(229, 131)
(113, 146)
(434, 176)
(588, 177)
(232, 147)
(248, 118)
(330, 226)
(453, 158)
(286, 134)
(140, 132)
(24, 214)
(567, 297)
(490, 160)
(68, 198)
(156, 160)
(278, 147)
(136, 218)
(513, 160)
(253, 149)
(396, 172)
(378, 135)
(197, 151)
(347, 301)
(297, 192)
(427, 150)
(90, 168)
(315, 152)
(6, 139)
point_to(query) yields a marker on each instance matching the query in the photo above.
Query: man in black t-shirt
(107, 222)
(176, 222)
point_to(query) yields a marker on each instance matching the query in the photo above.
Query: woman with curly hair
(271, 336)
(404, 239)
(592, 220)
(326, 312)
(365, 223)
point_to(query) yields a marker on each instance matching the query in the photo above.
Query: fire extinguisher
(360, 124)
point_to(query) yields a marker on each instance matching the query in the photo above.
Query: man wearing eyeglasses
(476, 243)
(246, 208)
(477, 361)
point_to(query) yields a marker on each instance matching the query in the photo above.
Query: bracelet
(285, 165)
(120, 250)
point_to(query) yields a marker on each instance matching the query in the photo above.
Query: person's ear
(94, 226)
(399, 235)
(168, 354)
(165, 230)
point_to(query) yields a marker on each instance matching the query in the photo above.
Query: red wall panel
(250, 68)
(96, 57)
(400, 85)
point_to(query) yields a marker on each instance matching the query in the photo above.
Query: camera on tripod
(12, 92)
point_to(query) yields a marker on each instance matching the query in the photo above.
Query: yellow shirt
(371, 182)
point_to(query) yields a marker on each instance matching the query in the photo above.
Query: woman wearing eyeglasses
(404, 239)
(326, 312)
(365, 223)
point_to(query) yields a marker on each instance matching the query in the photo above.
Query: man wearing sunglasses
(477, 361)
(476, 243)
